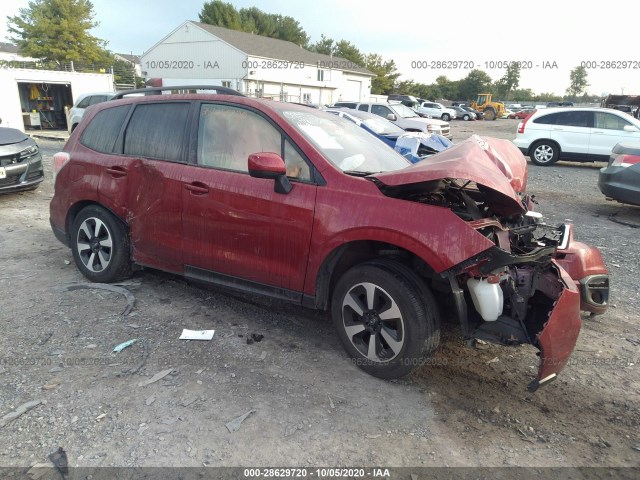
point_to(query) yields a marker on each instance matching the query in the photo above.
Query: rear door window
(574, 119)
(103, 130)
(157, 130)
(549, 119)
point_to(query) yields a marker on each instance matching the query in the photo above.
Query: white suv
(578, 134)
(403, 116)
(437, 110)
(75, 113)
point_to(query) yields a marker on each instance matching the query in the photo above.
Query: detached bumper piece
(595, 292)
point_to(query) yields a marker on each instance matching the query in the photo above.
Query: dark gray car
(620, 179)
(20, 161)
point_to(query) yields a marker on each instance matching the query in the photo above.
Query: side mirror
(630, 128)
(270, 165)
(392, 117)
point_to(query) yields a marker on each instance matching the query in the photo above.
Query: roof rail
(158, 90)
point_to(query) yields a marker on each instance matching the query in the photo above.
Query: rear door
(236, 227)
(155, 144)
(608, 129)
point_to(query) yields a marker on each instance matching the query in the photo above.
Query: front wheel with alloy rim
(544, 153)
(100, 245)
(446, 117)
(466, 118)
(384, 318)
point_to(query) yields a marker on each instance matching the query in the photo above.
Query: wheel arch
(355, 252)
(77, 207)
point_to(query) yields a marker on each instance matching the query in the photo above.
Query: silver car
(75, 113)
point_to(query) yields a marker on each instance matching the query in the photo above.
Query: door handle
(117, 172)
(197, 188)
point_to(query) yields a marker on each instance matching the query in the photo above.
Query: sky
(549, 38)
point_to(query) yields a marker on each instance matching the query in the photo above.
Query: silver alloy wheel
(373, 322)
(95, 244)
(543, 153)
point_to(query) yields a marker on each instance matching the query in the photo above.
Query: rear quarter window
(157, 130)
(549, 119)
(103, 130)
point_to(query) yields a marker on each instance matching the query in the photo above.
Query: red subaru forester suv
(292, 202)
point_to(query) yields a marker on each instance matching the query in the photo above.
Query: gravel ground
(309, 405)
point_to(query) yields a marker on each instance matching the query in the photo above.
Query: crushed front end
(530, 286)
(516, 292)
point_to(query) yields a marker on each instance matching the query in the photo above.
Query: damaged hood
(490, 163)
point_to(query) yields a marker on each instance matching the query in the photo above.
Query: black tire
(466, 117)
(544, 153)
(100, 245)
(446, 117)
(489, 114)
(400, 342)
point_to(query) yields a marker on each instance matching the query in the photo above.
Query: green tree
(220, 14)
(290, 30)
(477, 81)
(58, 30)
(386, 74)
(446, 88)
(578, 81)
(348, 50)
(324, 45)
(509, 81)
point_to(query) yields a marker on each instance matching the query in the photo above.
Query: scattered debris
(636, 447)
(45, 338)
(263, 355)
(123, 345)
(188, 401)
(613, 218)
(149, 401)
(101, 416)
(67, 262)
(371, 437)
(633, 341)
(234, 425)
(50, 386)
(56, 353)
(91, 345)
(39, 470)
(24, 408)
(257, 337)
(59, 459)
(133, 325)
(131, 300)
(331, 404)
(493, 360)
(155, 378)
(145, 354)
(196, 334)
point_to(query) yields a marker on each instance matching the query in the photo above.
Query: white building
(33, 98)
(197, 53)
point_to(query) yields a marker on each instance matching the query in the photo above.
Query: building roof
(259, 46)
(8, 48)
(129, 58)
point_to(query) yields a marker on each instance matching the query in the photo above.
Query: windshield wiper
(358, 173)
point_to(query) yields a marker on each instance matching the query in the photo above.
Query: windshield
(382, 127)
(403, 111)
(343, 143)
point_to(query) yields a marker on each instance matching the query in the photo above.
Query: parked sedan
(620, 180)
(414, 146)
(522, 114)
(479, 115)
(20, 161)
(463, 114)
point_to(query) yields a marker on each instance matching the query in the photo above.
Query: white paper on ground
(196, 334)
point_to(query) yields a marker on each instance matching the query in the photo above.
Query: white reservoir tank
(487, 298)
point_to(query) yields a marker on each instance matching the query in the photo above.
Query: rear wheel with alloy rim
(544, 153)
(100, 245)
(385, 317)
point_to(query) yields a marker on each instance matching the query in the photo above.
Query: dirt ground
(310, 406)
